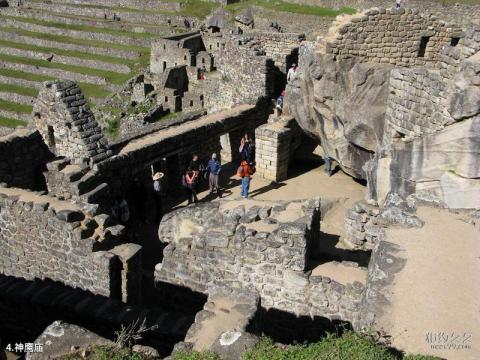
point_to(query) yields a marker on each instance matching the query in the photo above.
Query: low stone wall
(16, 98)
(20, 82)
(88, 35)
(135, 4)
(14, 115)
(125, 15)
(55, 73)
(251, 247)
(68, 46)
(23, 156)
(96, 64)
(363, 228)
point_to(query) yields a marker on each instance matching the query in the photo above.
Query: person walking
(245, 172)
(292, 73)
(213, 167)
(157, 192)
(328, 165)
(398, 3)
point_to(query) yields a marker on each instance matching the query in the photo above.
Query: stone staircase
(75, 40)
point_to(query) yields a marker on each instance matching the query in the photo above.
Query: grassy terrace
(71, 53)
(18, 89)
(14, 107)
(90, 90)
(134, 35)
(68, 40)
(110, 76)
(11, 123)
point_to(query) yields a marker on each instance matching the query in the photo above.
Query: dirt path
(435, 298)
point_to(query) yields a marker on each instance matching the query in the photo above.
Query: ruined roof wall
(67, 124)
(391, 36)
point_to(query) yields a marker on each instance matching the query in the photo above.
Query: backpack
(240, 171)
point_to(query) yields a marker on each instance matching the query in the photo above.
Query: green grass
(106, 353)
(15, 107)
(69, 40)
(134, 35)
(71, 53)
(24, 75)
(349, 346)
(92, 90)
(19, 89)
(11, 123)
(285, 6)
(110, 76)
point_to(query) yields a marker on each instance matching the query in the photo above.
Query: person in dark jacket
(213, 167)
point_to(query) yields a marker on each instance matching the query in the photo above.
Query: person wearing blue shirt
(213, 167)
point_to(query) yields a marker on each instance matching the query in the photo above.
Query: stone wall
(417, 102)
(23, 156)
(135, 4)
(259, 246)
(88, 35)
(282, 48)
(391, 36)
(362, 225)
(246, 74)
(275, 144)
(67, 125)
(45, 239)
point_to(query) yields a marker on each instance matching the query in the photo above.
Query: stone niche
(261, 247)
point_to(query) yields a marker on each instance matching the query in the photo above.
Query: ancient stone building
(67, 125)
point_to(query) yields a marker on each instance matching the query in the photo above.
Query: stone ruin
(391, 95)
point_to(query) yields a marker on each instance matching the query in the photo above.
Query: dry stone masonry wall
(260, 247)
(402, 37)
(67, 125)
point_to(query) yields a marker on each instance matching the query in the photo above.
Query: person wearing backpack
(245, 171)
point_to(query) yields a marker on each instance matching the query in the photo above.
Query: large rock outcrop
(342, 105)
(394, 97)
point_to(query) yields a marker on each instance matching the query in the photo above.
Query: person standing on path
(292, 73)
(245, 172)
(190, 185)
(213, 167)
(157, 192)
(328, 165)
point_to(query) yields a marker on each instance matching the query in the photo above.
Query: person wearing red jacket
(245, 171)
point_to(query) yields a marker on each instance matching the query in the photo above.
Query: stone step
(56, 73)
(69, 19)
(16, 98)
(17, 116)
(67, 46)
(87, 35)
(68, 60)
(20, 82)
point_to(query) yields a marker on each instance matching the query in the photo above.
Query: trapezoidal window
(454, 42)
(423, 46)
(191, 103)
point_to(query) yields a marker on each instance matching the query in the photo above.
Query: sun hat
(158, 176)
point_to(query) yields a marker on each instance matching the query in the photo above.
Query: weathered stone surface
(59, 338)
(232, 345)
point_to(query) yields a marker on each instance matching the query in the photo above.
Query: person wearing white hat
(157, 191)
